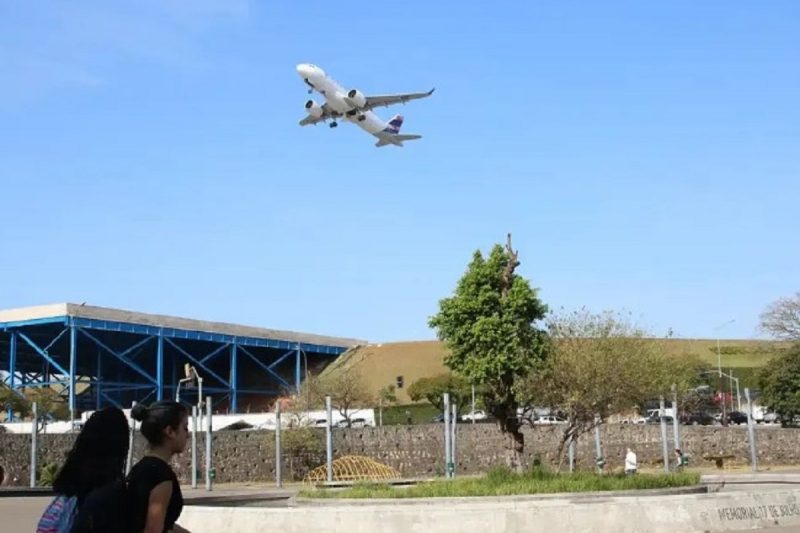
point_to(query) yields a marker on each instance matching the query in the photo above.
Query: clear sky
(645, 156)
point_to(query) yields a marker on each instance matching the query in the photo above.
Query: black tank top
(143, 478)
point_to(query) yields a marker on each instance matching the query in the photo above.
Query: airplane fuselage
(336, 98)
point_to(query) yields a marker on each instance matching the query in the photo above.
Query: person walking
(97, 458)
(156, 498)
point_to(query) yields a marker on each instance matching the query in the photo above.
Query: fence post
(34, 442)
(751, 433)
(598, 448)
(329, 438)
(209, 464)
(675, 423)
(453, 439)
(664, 442)
(194, 446)
(278, 452)
(447, 448)
(571, 453)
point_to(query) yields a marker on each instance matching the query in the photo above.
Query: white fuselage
(336, 98)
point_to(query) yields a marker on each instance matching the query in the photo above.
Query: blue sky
(644, 156)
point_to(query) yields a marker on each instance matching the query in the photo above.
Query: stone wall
(417, 451)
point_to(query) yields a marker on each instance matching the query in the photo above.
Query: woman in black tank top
(157, 501)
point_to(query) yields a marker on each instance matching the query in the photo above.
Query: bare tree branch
(781, 319)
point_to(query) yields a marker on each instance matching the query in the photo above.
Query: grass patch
(396, 414)
(503, 482)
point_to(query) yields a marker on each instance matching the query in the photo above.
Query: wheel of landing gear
(333, 124)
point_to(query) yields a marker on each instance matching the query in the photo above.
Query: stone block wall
(417, 451)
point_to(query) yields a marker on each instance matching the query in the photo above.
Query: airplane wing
(326, 114)
(391, 99)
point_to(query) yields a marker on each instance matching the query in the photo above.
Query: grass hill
(381, 364)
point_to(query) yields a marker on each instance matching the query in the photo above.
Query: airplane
(354, 107)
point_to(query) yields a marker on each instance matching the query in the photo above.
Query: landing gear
(333, 124)
(362, 118)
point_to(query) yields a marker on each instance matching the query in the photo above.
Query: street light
(719, 366)
(191, 375)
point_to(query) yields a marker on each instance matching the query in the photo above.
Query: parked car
(548, 420)
(736, 417)
(475, 415)
(654, 418)
(770, 418)
(633, 420)
(698, 419)
(440, 418)
(354, 423)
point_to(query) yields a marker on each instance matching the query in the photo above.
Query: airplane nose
(305, 71)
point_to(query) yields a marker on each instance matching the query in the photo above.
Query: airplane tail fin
(394, 125)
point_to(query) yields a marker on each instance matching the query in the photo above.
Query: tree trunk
(516, 443)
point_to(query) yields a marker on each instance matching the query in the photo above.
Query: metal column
(160, 367)
(97, 387)
(297, 369)
(233, 380)
(73, 356)
(12, 368)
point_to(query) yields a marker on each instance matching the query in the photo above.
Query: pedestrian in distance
(630, 462)
(97, 458)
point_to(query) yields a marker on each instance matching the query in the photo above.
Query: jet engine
(313, 109)
(357, 98)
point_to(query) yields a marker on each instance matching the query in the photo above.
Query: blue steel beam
(98, 385)
(297, 369)
(215, 352)
(142, 329)
(160, 369)
(281, 358)
(41, 352)
(73, 362)
(197, 362)
(136, 346)
(263, 366)
(174, 333)
(234, 394)
(52, 342)
(127, 362)
(12, 369)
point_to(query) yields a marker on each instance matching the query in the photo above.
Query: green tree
(49, 402)
(601, 365)
(780, 385)
(13, 400)
(488, 325)
(431, 389)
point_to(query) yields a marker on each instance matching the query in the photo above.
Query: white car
(549, 420)
(475, 415)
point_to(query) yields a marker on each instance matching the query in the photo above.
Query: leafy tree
(432, 389)
(49, 402)
(601, 365)
(11, 399)
(780, 385)
(782, 318)
(488, 325)
(387, 395)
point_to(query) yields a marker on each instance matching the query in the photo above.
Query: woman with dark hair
(156, 496)
(97, 458)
